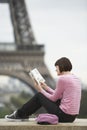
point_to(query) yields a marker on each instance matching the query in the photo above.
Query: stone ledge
(78, 124)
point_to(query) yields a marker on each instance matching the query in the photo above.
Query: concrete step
(78, 124)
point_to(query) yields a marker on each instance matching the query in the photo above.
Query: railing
(14, 47)
(7, 47)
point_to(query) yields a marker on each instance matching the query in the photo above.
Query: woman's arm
(42, 86)
(57, 92)
(47, 88)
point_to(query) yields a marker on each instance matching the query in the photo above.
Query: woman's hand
(43, 85)
(37, 86)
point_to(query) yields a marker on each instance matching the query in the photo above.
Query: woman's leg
(35, 103)
(52, 107)
(63, 117)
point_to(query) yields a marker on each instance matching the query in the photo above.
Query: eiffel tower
(17, 58)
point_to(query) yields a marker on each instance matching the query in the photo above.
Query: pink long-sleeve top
(68, 89)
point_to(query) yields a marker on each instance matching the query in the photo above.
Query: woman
(64, 101)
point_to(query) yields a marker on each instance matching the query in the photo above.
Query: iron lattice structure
(18, 58)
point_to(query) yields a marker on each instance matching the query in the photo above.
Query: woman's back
(71, 96)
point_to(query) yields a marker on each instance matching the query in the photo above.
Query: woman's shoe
(15, 117)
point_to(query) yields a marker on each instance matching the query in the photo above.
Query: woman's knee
(40, 94)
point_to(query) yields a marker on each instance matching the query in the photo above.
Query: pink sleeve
(50, 90)
(57, 94)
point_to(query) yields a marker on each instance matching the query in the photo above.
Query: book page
(35, 74)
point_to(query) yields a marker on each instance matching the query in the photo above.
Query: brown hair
(64, 64)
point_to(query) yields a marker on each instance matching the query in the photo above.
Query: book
(35, 74)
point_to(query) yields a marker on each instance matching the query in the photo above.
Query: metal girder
(4, 1)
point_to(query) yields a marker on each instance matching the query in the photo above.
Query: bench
(78, 124)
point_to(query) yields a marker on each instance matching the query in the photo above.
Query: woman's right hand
(43, 85)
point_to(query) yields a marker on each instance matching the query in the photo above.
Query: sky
(61, 25)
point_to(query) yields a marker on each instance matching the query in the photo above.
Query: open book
(35, 74)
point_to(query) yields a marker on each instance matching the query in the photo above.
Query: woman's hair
(64, 64)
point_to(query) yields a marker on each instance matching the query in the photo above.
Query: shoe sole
(15, 120)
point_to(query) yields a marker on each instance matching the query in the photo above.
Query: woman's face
(57, 70)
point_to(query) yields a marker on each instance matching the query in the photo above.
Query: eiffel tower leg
(26, 54)
(22, 27)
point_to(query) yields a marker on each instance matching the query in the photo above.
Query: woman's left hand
(37, 86)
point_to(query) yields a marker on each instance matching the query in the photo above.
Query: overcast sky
(61, 25)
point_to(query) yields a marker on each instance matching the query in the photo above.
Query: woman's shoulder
(68, 77)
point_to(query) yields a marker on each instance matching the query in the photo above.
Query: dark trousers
(51, 107)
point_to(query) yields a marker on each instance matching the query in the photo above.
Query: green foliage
(24, 95)
(15, 102)
(20, 99)
(4, 111)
